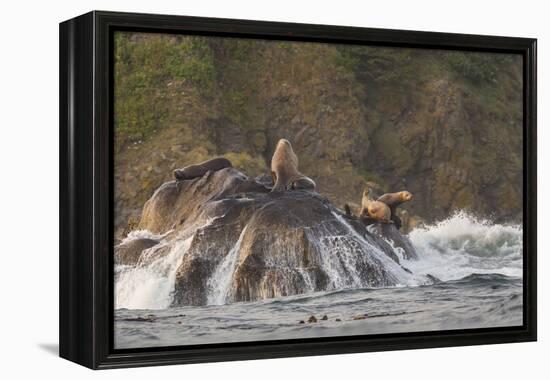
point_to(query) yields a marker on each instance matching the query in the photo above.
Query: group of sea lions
(284, 169)
(286, 176)
(383, 209)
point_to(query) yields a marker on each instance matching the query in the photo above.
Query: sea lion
(393, 200)
(284, 169)
(375, 210)
(198, 170)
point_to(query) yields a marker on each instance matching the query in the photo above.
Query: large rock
(240, 242)
(128, 253)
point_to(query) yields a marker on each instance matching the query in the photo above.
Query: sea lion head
(405, 196)
(284, 144)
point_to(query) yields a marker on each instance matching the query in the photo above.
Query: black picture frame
(86, 190)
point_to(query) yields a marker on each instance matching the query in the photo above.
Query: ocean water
(479, 264)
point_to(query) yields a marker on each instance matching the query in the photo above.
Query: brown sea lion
(371, 209)
(393, 200)
(284, 169)
(198, 170)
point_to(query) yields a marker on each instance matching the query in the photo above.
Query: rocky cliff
(225, 237)
(444, 125)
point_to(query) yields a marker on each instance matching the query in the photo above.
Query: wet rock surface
(390, 233)
(128, 253)
(239, 242)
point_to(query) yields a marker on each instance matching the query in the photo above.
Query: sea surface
(479, 264)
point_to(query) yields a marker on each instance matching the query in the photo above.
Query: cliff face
(444, 125)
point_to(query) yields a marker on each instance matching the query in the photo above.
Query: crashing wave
(463, 244)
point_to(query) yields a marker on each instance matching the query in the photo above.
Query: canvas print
(273, 190)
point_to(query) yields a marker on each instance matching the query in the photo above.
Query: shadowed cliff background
(445, 125)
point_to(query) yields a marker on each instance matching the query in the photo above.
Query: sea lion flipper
(396, 221)
(348, 209)
(273, 177)
(279, 186)
(302, 183)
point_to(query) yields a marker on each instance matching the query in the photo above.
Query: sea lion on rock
(284, 169)
(198, 170)
(393, 200)
(375, 210)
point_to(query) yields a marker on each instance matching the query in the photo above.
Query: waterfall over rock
(226, 238)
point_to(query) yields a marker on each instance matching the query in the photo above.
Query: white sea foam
(150, 284)
(144, 234)
(342, 254)
(451, 249)
(220, 282)
(462, 245)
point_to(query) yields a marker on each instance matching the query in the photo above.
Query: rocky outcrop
(129, 253)
(240, 242)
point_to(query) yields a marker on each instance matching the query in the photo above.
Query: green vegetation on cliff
(445, 125)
